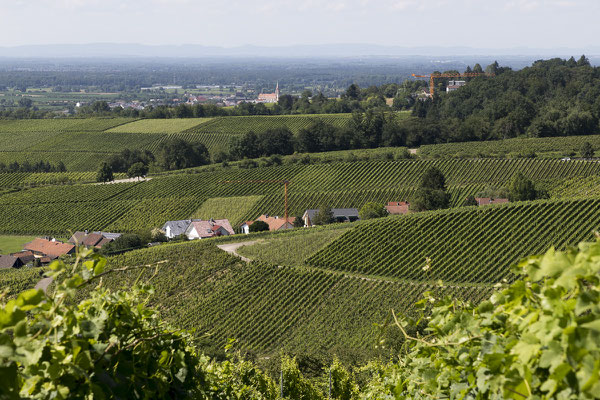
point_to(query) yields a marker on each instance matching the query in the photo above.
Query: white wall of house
(192, 234)
(245, 228)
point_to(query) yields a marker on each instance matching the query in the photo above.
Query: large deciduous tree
(372, 210)
(521, 188)
(105, 173)
(431, 194)
(177, 154)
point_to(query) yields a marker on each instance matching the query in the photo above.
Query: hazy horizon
(483, 24)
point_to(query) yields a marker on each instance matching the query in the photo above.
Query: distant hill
(294, 51)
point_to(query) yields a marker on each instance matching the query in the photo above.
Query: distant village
(44, 250)
(189, 98)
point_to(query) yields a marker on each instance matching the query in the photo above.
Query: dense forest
(551, 98)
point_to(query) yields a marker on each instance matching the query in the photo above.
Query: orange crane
(285, 189)
(432, 77)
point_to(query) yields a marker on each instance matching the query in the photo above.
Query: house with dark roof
(95, 239)
(175, 228)
(49, 248)
(201, 229)
(10, 262)
(339, 215)
(25, 256)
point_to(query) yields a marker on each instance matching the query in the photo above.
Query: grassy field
(233, 208)
(12, 244)
(238, 125)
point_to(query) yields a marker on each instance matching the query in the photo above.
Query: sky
(496, 24)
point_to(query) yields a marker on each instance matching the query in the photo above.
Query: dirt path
(232, 247)
(125, 181)
(43, 284)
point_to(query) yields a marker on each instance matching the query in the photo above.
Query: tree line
(173, 153)
(26, 166)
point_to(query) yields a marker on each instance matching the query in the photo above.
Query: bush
(323, 217)
(176, 153)
(107, 346)
(372, 210)
(521, 189)
(538, 338)
(587, 151)
(431, 194)
(259, 226)
(126, 241)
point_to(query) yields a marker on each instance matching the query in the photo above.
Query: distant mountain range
(325, 51)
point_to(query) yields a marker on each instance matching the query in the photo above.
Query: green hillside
(543, 147)
(144, 205)
(83, 144)
(267, 308)
(469, 245)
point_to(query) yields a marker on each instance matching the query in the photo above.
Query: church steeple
(277, 91)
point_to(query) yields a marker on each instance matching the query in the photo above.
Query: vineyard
(294, 247)
(61, 125)
(267, 308)
(14, 281)
(20, 179)
(470, 245)
(145, 205)
(160, 125)
(239, 125)
(83, 144)
(552, 147)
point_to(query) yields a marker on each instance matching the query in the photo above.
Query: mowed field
(12, 244)
(83, 144)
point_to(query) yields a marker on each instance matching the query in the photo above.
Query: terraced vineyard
(546, 147)
(472, 245)
(267, 308)
(344, 184)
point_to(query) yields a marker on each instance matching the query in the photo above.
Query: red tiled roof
(276, 223)
(208, 228)
(77, 238)
(49, 248)
(482, 201)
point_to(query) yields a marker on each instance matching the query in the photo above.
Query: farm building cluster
(44, 250)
